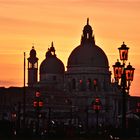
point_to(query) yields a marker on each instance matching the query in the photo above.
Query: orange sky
(23, 22)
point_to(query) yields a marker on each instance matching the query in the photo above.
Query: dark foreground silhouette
(69, 132)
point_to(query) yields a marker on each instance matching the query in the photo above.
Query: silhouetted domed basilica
(82, 94)
(87, 65)
(87, 77)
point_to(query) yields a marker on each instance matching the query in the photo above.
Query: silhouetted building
(70, 94)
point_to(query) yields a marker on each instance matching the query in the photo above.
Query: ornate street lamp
(125, 75)
(38, 104)
(129, 70)
(97, 108)
(118, 70)
(123, 50)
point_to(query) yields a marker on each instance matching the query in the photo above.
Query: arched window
(82, 86)
(89, 85)
(73, 84)
(95, 84)
(69, 84)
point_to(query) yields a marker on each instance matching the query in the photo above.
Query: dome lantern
(87, 36)
(51, 52)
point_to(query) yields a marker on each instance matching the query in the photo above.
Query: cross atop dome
(52, 44)
(87, 21)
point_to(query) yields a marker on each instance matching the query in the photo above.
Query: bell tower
(32, 68)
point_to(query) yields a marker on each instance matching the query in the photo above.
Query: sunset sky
(39, 22)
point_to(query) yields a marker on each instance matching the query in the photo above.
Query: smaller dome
(52, 64)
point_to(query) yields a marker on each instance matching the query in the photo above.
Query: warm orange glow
(37, 94)
(24, 22)
(97, 100)
(80, 81)
(40, 104)
(35, 104)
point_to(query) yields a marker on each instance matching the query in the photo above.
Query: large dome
(88, 56)
(52, 65)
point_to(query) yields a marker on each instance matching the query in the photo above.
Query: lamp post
(38, 104)
(123, 76)
(24, 93)
(97, 108)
